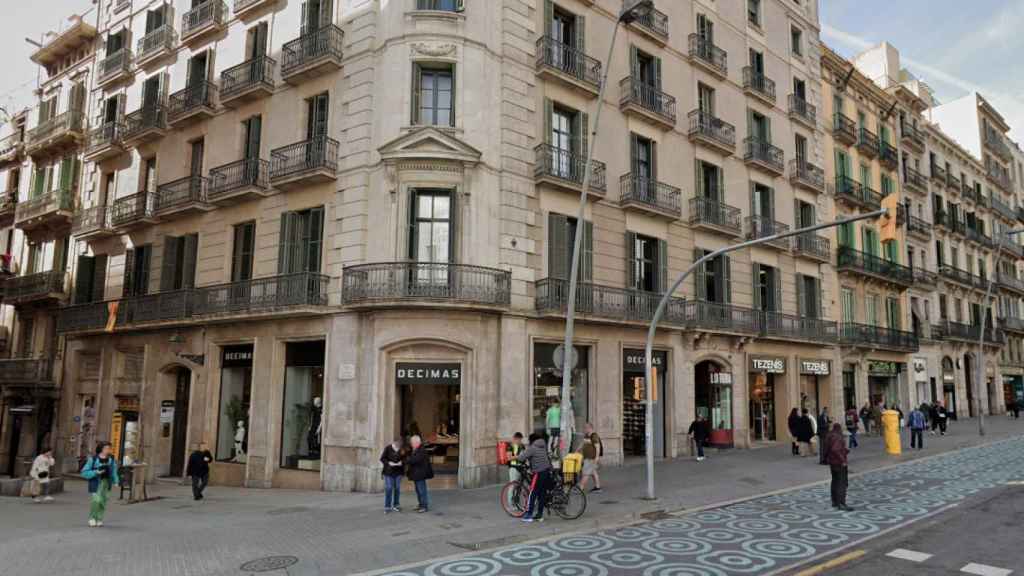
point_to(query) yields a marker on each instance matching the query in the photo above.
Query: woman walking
(392, 472)
(101, 472)
(794, 427)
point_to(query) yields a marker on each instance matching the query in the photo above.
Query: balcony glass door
(562, 142)
(431, 236)
(563, 33)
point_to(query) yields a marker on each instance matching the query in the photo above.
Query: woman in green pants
(101, 472)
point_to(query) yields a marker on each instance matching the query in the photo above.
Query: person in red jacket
(837, 462)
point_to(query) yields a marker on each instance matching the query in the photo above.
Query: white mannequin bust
(319, 404)
(240, 442)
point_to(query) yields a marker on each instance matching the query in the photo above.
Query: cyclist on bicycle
(536, 455)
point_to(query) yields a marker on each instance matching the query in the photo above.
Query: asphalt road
(986, 530)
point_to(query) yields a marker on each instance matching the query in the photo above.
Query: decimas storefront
(634, 408)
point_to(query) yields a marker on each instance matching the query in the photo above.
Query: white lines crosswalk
(983, 570)
(909, 555)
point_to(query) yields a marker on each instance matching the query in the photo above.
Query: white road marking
(983, 570)
(910, 555)
(1015, 483)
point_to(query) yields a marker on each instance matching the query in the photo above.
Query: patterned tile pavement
(759, 536)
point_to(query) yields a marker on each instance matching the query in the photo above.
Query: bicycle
(566, 498)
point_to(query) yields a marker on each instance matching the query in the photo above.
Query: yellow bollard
(891, 429)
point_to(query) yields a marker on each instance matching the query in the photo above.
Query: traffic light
(887, 222)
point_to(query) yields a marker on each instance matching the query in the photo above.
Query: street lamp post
(648, 348)
(980, 370)
(631, 11)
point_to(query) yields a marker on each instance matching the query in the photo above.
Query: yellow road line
(833, 563)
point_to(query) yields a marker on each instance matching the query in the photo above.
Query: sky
(956, 46)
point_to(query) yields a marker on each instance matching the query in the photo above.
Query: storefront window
(302, 414)
(634, 407)
(235, 398)
(547, 384)
(713, 400)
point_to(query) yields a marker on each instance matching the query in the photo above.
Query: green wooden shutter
(549, 110)
(558, 251)
(169, 270)
(756, 283)
(66, 178)
(188, 273)
(797, 215)
(726, 278)
(657, 73)
(99, 277)
(820, 292)
(84, 273)
(700, 276)
(549, 17)
(584, 136)
(662, 266)
(699, 177)
(634, 153)
(581, 37)
(719, 193)
(587, 253)
(654, 162)
(312, 249)
(801, 295)
(284, 247)
(776, 279)
(128, 283)
(630, 260)
(634, 62)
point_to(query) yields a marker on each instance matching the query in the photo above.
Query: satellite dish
(558, 357)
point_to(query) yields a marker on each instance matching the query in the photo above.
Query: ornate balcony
(1012, 324)
(65, 43)
(40, 287)
(760, 227)
(806, 175)
(653, 24)
(715, 216)
(52, 210)
(565, 169)
(192, 104)
(789, 327)
(92, 223)
(12, 147)
(813, 246)
(564, 63)
(308, 162)
(864, 264)
(647, 102)
(132, 211)
(425, 283)
(311, 55)
(238, 181)
(1011, 283)
(288, 295)
(844, 129)
(912, 137)
(144, 125)
(764, 155)
(802, 111)
(104, 142)
(246, 9)
(995, 142)
(703, 316)
(938, 174)
(606, 302)
(1004, 209)
(26, 371)
(759, 85)
(919, 228)
(867, 143)
(914, 181)
(8, 206)
(206, 18)
(953, 183)
(649, 196)
(711, 131)
(1000, 177)
(183, 195)
(58, 134)
(877, 338)
(248, 81)
(923, 277)
(888, 156)
(962, 277)
(116, 67)
(850, 191)
(970, 332)
(156, 45)
(705, 54)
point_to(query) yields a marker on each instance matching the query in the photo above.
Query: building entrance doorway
(430, 406)
(762, 407)
(969, 378)
(634, 408)
(17, 415)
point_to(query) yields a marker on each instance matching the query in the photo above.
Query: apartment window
(891, 251)
(136, 270)
(156, 18)
(705, 29)
(871, 311)
(894, 319)
(301, 241)
(646, 68)
(940, 253)
(887, 185)
(256, 46)
(197, 150)
(800, 89)
(25, 344)
(643, 157)
(252, 134)
(762, 201)
(943, 307)
(109, 187)
(805, 214)
(754, 12)
(800, 143)
(317, 109)
(567, 135)
(756, 60)
(90, 278)
(767, 288)
(433, 91)
(561, 236)
(706, 99)
(178, 268)
(796, 41)
(846, 235)
(148, 183)
(430, 234)
(243, 249)
(758, 126)
(865, 175)
(869, 241)
(647, 265)
(848, 305)
(713, 279)
(808, 296)
(958, 309)
(319, 13)
(441, 5)
(562, 29)
(862, 121)
(954, 256)
(710, 181)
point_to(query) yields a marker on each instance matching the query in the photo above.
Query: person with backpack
(917, 425)
(592, 451)
(536, 454)
(852, 421)
(419, 471)
(101, 472)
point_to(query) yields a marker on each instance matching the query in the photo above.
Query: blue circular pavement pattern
(757, 536)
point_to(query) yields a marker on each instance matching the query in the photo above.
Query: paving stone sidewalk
(316, 533)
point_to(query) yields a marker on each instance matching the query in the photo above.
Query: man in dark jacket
(419, 471)
(199, 469)
(536, 455)
(805, 432)
(392, 471)
(837, 452)
(823, 426)
(793, 423)
(699, 433)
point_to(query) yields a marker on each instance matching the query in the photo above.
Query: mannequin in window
(315, 425)
(240, 442)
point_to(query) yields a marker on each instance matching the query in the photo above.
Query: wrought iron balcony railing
(1012, 324)
(853, 260)
(210, 14)
(718, 317)
(708, 212)
(245, 173)
(1000, 176)
(761, 227)
(568, 60)
(608, 302)
(102, 137)
(867, 142)
(26, 371)
(938, 173)
(844, 129)
(425, 282)
(914, 180)
(1004, 209)
(865, 335)
(647, 97)
(568, 166)
(654, 21)
(142, 121)
(437, 5)
(703, 50)
(758, 83)
(72, 121)
(802, 110)
(918, 226)
(179, 194)
(850, 190)
(924, 277)
(962, 276)
(45, 205)
(971, 332)
(114, 65)
(312, 47)
(159, 41)
(888, 155)
(294, 160)
(802, 172)
(953, 183)
(778, 325)
(994, 141)
(254, 73)
(1010, 282)
(714, 130)
(35, 286)
(658, 196)
(813, 246)
(764, 154)
(90, 221)
(912, 135)
(201, 95)
(132, 209)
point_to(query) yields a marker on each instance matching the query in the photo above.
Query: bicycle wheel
(573, 503)
(515, 499)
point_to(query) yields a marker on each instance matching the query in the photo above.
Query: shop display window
(547, 384)
(303, 406)
(235, 401)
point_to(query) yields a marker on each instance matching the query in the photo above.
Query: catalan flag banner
(111, 315)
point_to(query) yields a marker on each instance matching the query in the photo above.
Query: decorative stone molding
(432, 50)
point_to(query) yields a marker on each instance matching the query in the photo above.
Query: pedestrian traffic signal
(887, 222)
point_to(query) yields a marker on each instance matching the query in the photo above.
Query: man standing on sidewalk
(851, 426)
(199, 469)
(592, 451)
(837, 452)
(917, 424)
(698, 433)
